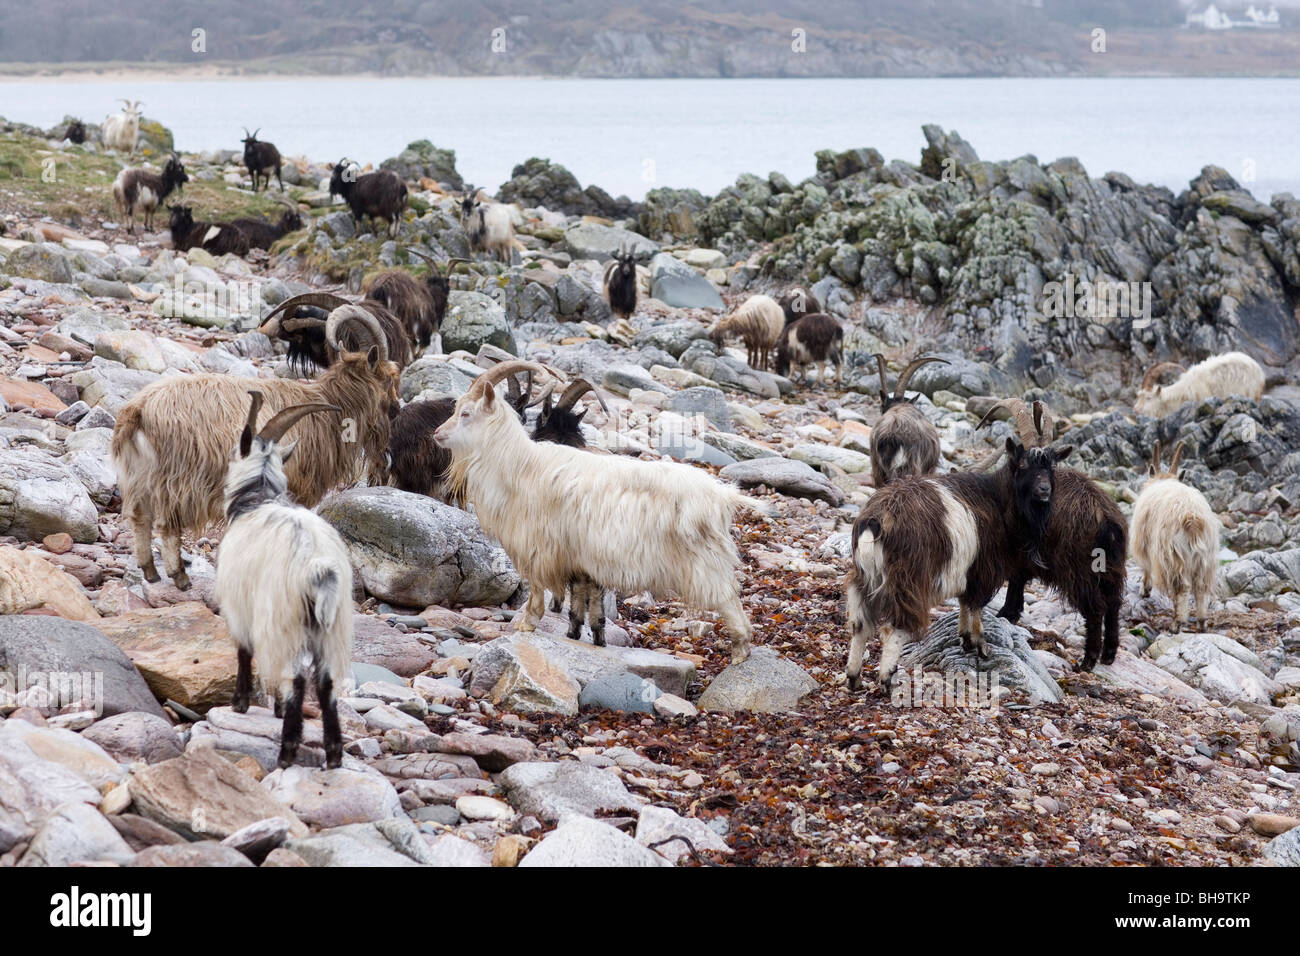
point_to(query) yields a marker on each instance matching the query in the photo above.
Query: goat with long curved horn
(904, 442)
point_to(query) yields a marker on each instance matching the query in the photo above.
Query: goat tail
(1193, 526)
(129, 446)
(327, 593)
(761, 508)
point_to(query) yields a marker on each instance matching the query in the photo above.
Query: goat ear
(1061, 452)
(372, 357)
(489, 396)
(245, 442)
(1014, 449)
(287, 450)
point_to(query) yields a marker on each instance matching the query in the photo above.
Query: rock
(422, 160)
(677, 284)
(401, 652)
(1142, 675)
(529, 683)
(332, 798)
(134, 349)
(451, 850)
(40, 496)
(413, 551)
(476, 807)
(75, 833)
(29, 582)
(342, 848)
(709, 402)
(589, 240)
(621, 379)
(203, 853)
(257, 734)
(200, 794)
(109, 385)
(258, 839)
(69, 750)
(673, 337)
(657, 826)
(578, 841)
(1284, 850)
(40, 260)
(540, 182)
(764, 682)
(492, 752)
(1271, 824)
(550, 790)
(184, 651)
(580, 661)
(31, 790)
(433, 375)
(132, 737)
(620, 692)
(473, 320)
(823, 456)
(31, 645)
(671, 706)
(1204, 662)
(794, 478)
(20, 394)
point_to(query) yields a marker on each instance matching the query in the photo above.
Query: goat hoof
(740, 655)
(1108, 656)
(284, 763)
(1087, 664)
(151, 574)
(854, 681)
(181, 580)
(239, 705)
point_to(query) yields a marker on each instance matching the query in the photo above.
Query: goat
(758, 321)
(1176, 539)
(146, 189)
(218, 238)
(284, 584)
(262, 234)
(796, 303)
(1083, 547)
(618, 523)
(420, 308)
(172, 439)
(121, 130)
(1232, 374)
(904, 442)
(75, 132)
(812, 340)
(489, 226)
(620, 283)
(377, 195)
(260, 158)
(306, 334)
(920, 541)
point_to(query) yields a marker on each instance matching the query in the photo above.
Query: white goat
(489, 226)
(121, 130)
(1218, 377)
(565, 515)
(284, 584)
(1175, 538)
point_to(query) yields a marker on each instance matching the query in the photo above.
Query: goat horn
(575, 391)
(1155, 457)
(1175, 458)
(1155, 371)
(1023, 417)
(496, 373)
(546, 393)
(433, 263)
(989, 462)
(908, 372)
(270, 327)
(255, 406)
(286, 418)
(255, 132)
(884, 381)
(1044, 423)
(294, 325)
(355, 313)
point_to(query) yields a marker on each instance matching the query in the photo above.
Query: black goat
(378, 195)
(76, 132)
(217, 238)
(262, 234)
(302, 328)
(620, 283)
(143, 188)
(420, 307)
(260, 158)
(796, 303)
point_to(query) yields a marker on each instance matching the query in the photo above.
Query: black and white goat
(813, 340)
(284, 584)
(489, 226)
(920, 541)
(75, 132)
(143, 189)
(260, 158)
(904, 442)
(300, 322)
(620, 282)
(377, 195)
(218, 238)
(798, 302)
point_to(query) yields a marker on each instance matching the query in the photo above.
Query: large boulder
(39, 496)
(675, 283)
(540, 182)
(33, 645)
(591, 240)
(29, 582)
(413, 551)
(423, 160)
(764, 682)
(550, 790)
(786, 476)
(433, 375)
(40, 260)
(578, 841)
(474, 319)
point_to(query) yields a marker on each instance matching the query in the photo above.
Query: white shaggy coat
(1218, 377)
(758, 321)
(1175, 538)
(120, 130)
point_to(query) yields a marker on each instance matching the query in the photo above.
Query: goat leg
(733, 616)
(172, 561)
(329, 709)
(1111, 646)
(596, 613)
(291, 729)
(577, 607)
(892, 642)
(243, 682)
(533, 610)
(142, 530)
(1014, 605)
(860, 630)
(1091, 642)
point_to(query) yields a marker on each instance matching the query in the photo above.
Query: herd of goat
(196, 449)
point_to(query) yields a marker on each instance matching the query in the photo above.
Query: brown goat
(904, 442)
(812, 340)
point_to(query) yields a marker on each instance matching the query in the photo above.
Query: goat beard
(1032, 519)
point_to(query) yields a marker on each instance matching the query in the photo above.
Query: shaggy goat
(1083, 547)
(218, 238)
(620, 283)
(796, 303)
(75, 132)
(420, 307)
(377, 195)
(262, 234)
(904, 442)
(1232, 374)
(1176, 540)
(172, 440)
(304, 330)
(135, 187)
(812, 340)
(758, 321)
(284, 584)
(920, 541)
(260, 158)
(120, 130)
(489, 226)
(621, 524)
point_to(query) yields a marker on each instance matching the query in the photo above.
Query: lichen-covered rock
(474, 319)
(423, 160)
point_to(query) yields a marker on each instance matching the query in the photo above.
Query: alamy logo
(75, 909)
(1085, 299)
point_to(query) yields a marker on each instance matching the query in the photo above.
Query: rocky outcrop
(540, 182)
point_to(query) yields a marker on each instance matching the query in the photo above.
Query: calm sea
(632, 135)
